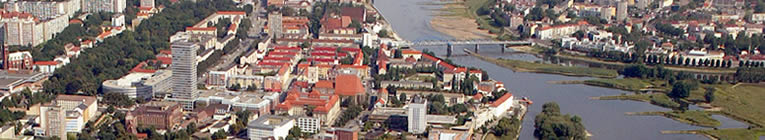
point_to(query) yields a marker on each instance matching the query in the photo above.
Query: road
(229, 59)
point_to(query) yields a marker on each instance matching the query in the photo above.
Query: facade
(118, 20)
(52, 121)
(501, 105)
(140, 85)
(758, 18)
(25, 29)
(74, 121)
(87, 105)
(621, 11)
(147, 3)
(416, 113)
(268, 126)
(21, 60)
(45, 9)
(309, 124)
(94, 6)
(21, 29)
(161, 115)
(184, 76)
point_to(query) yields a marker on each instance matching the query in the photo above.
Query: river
(604, 119)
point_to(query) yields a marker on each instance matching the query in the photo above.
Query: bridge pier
(449, 49)
(476, 47)
(503, 47)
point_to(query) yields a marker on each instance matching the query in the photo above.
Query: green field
(734, 134)
(742, 102)
(631, 84)
(519, 65)
(694, 117)
(656, 99)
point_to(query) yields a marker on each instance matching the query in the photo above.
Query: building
(147, 3)
(256, 102)
(86, 106)
(621, 11)
(416, 113)
(74, 121)
(21, 60)
(21, 29)
(326, 105)
(118, 20)
(501, 105)
(25, 29)
(139, 84)
(95, 6)
(642, 4)
(184, 76)
(309, 124)
(52, 121)
(270, 127)
(12, 82)
(160, 114)
(345, 133)
(559, 31)
(45, 9)
(758, 18)
(48, 66)
(275, 25)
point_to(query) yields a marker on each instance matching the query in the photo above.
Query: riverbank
(741, 102)
(523, 66)
(693, 117)
(386, 25)
(457, 19)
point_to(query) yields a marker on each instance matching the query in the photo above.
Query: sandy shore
(459, 27)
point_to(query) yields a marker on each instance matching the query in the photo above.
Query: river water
(604, 119)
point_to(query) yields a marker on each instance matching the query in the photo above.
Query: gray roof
(269, 122)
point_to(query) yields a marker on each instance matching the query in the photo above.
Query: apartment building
(114, 6)
(45, 9)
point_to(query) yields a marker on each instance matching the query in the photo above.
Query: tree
(220, 134)
(402, 97)
(117, 99)
(356, 25)
(110, 109)
(551, 124)
(710, 95)
(682, 89)
(383, 33)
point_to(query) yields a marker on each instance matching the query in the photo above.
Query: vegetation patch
(631, 84)
(518, 65)
(734, 134)
(695, 117)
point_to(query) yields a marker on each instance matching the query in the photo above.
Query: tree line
(118, 54)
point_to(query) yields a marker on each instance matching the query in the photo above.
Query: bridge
(449, 44)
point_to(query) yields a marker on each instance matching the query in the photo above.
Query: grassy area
(631, 84)
(734, 134)
(656, 99)
(468, 9)
(694, 117)
(742, 102)
(519, 65)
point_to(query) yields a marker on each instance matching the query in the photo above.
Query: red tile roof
(46, 62)
(324, 84)
(501, 99)
(350, 85)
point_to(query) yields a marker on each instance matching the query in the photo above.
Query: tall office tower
(275, 25)
(621, 11)
(416, 115)
(184, 74)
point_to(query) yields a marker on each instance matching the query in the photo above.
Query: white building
(267, 126)
(74, 121)
(309, 124)
(416, 113)
(501, 105)
(184, 76)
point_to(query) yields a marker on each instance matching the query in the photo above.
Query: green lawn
(735, 134)
(656, 99)
(743, 102)
(631, 84)
(693, 117)
(553, 68)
